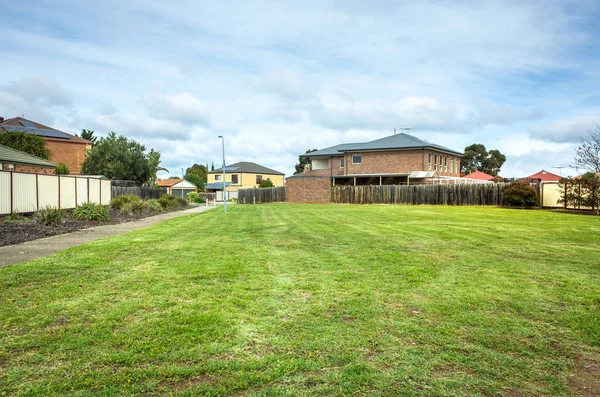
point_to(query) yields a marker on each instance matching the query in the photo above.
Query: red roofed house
(544, 176)
(64, 148)
(177, 187)
(481, 176)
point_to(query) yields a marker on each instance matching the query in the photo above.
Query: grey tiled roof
(246, 166)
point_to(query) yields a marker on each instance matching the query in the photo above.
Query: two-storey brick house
(396, 159)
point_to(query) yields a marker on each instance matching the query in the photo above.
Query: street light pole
(224, 184)
(182, 183)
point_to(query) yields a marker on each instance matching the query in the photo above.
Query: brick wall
(396, 162)
(308, 189)
(30, 169)
(70, 153)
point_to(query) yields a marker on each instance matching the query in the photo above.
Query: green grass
(308, 299)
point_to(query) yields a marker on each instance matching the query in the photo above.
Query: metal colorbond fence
(261, 195)
(25, 192)
(476, 194)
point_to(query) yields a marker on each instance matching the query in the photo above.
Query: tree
(32, 144)
(212, 166)
(89, 135)
(154, 164)
(302, 161)
(477, 158)
(266, 183)
(519, 194)
(199, 170)
(117, 157)
(62, 169)
(196, 180)
(591, 191)
(587, 154)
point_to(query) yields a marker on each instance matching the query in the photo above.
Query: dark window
(217, 177)
(356, 159)
(429, 161)
(234, 179)
(435, 161)
(258, 179)
(342, 162)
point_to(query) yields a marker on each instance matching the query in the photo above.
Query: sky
(276, 78)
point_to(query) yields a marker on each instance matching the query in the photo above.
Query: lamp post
(224, 184)
(182, 176)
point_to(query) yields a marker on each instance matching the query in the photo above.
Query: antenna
(559, 167)
(394, 131)
(403, 128)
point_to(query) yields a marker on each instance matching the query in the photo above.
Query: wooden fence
(27, 192)
(261, 195)
(140, 191)
(476, 194)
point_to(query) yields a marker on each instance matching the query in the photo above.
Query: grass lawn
(309, 299)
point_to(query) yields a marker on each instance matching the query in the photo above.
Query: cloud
(182, 107)
(569, 130)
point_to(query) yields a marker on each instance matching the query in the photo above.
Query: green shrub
(171, 202)
(193, 196)
(154, 205)
(62, 169)
(266, 183)
(117, 202)
(519, 194)
(91, 212)
(181, 202)
(200, 200)
(50, 216)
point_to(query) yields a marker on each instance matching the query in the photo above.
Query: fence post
(12, 192)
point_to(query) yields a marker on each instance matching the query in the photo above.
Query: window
(234, 179)
(217, 177)
(356, 159)
(429, 160)
(258, 179)
(435, 161)
(342, 162)
(457, 165)
(445, 163)
(451, 164)
(11, 167)
(441, 163)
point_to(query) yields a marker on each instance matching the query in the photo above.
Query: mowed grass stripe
(311, 299)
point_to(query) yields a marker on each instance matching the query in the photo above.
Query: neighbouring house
(396, 159)
(544, 176)
(242, 175)
(177, 187)
(65, 148)
(480, 176)
(15, 160)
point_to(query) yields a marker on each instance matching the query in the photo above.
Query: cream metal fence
(24, 192)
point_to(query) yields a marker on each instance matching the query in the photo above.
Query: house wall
(401, 162)
(70, 153)
(245, 180)
(28, 168)
(313, 189)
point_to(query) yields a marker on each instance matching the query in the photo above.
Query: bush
(91, 212)
(200, 200)
(117, 202)
(266, 183)
(193, 196)
(519, 194)
(62, 169)
(154, 205)
(172, 202)
(182, 202)
(50, 216)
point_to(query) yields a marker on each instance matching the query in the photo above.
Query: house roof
(482, 176)
(10, 155)
(216, 185)
(398, 141)
(545, 176)
(168, 182)
(32, 127)
(248, 167)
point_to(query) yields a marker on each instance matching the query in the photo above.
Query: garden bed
(23, 228)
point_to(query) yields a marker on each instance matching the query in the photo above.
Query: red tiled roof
(168, 182)
(15, 122)
(545, 176)
(482, 176)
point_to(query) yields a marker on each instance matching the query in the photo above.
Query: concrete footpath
(13, 254)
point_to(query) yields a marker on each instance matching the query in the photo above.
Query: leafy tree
(212, 166)
(196, 180)
(199, 170)
(266, 183)
(477, 158)
(89, 135)
(570, 193)
(302, 161)
(154, 164)
(62, 169)
(587, 154)
(32, 144)
(519, 194)
(590, 183)
(117, 157)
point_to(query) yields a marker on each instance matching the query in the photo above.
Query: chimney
(1, 119)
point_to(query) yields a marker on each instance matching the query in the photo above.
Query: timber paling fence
(261, 195)
(476, 194)
(123, 187)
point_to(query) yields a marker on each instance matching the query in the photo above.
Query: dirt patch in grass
(586, 380)
(16, 232)
(192, 382)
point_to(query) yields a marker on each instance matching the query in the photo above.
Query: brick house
(242, 175)
(15, 160)
(396, 159)
(64, 148)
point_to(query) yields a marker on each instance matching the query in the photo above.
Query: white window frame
(342, 162)
(218, 177)
(429, 161)
(360, 158)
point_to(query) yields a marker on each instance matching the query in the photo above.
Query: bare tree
(587, 154)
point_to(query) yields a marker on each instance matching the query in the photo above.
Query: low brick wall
(308, 189)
